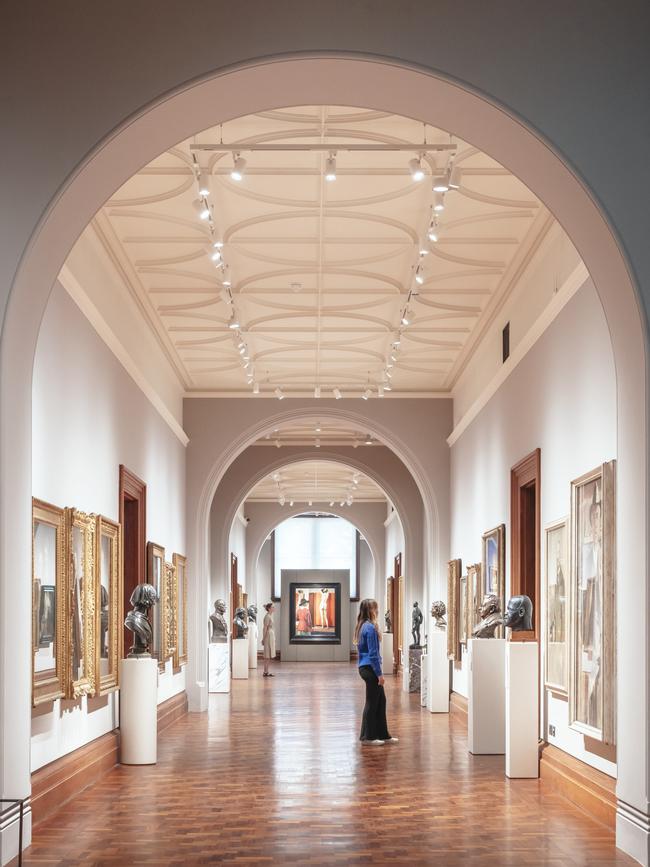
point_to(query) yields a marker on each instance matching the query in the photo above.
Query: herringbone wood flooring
(274, 774)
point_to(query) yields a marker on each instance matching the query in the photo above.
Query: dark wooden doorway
(133, 518)
(525, 538)
(398, 613)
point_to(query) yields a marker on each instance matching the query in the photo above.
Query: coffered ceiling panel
(313, 287)
(319, 483)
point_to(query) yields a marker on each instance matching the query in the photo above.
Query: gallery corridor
(274, 774)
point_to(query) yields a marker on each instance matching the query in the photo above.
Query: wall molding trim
(633, 831)
(586, 787)
(76, 291)
(574, 281)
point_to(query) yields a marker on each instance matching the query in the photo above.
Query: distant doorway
(525, 536)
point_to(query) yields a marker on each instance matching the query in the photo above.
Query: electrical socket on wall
(551, 731)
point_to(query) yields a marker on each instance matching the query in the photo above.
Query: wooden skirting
(589, 789)
(64, 778)
(458, 704)
(56, 783)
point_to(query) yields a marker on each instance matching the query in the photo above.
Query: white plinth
(486, 726)
(522, 722)
(424, 680)
(387, 652)
(438, 699)
(138, 711)
(240, 659)
(219, 667)
(252, 645)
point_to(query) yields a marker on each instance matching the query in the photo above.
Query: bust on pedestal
(139, 685)
(252, 636)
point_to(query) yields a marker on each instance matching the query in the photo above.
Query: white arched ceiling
(317, 483)
(319, 274)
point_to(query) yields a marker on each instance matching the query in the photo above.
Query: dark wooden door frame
(132, 491)
(523, 476)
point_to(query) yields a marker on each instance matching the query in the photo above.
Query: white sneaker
(377, 742)
(392, 741)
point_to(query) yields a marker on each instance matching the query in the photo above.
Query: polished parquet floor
(274, 774)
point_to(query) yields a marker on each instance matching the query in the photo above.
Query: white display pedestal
(252, 644)
(486, 727)
(138, 711)
(387, 652)
(438, 701)
(240, 659)
(219, 667)
(424, 679)
(522, 722)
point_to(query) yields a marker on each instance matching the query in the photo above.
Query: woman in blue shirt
(374, 728)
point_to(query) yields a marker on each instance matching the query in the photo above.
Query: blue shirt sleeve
(374, 655)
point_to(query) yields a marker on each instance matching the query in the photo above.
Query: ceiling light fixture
(368, 440)
(439, 202)
(424, 250)
(201, 208)
(317, 443)
(454, 179)
(291, 502)
(415, 167)
(387, 386)
(405, 318)
(330, 167)
(234, 323)
(419, 275)
(278, 393)
(217, 245)
(215, 255)
(256, 388)
(224, 294)
(278, 444)
(432, 234)
(239, 165)
(309, 503)
(366, 394)
(317, 391)
(331, 502)
(204, 186)
(337, 394)
(441, 184)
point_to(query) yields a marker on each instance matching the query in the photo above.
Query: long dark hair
(368, 609)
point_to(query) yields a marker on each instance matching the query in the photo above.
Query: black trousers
(373, 725)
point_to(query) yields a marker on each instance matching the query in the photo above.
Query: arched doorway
(333, 80)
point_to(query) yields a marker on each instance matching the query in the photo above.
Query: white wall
(560, 398)
(237, 545)
(90, 417)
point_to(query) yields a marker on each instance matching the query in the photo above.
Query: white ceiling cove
(321, 272)
(316, 482)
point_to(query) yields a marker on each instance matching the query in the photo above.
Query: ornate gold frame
(474, 587)
(454, 570)
(86, 684)
(112, 531)
(169, 613)
(500, 533)
(153, 551)
(51, 684)
(180, 568)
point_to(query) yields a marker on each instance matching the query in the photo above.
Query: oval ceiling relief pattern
(312, 288)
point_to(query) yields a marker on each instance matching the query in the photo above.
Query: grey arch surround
(53, 205)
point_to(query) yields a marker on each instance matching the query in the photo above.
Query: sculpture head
(519, 616)
(220, 606)
(240, 613)
(415, 605)
(252, 612)
(144, 596)
(491, 604)
(438, 609)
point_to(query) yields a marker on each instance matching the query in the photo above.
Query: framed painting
(169, 613)
(494, 564)
(556, 623)
(156, 577)
(48, 598)
(462, 611)
(314, 613)
(454, 570)
(109, 587)
(81, 604)
(592, 670)
(474, 587)
(180, 567)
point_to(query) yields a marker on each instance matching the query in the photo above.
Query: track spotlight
(397, 341)
(368, 440)
(256, 388)
(366, 394)
(215, 255)
(291, 502)
(239, 165)
(227, 283)
(204, 186)
(441, 183)
(201, 209)
(432, 234)
(405, 318)
(337, 394)
(282, 501)
(278, 444)
(317, 443)
(342, 503)
(439, 202)
(424, 250)
(331, 502)
(309, 503)
(454, 179)
(419, 275)
(217, 245)
(330, 167)
(317, 391)
(242, 348)
(224, 294)
(234, 323)
(415, 167)
(387, 386)
(278, 393)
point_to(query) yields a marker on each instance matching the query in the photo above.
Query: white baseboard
(633, 832)
(9, 831)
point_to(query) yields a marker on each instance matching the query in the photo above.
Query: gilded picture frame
(454, 570)
(494, 566)
(156, 577)
(109, 617)
(474, 587)
(556, 606)
(462, 610)
(592, 669)
(180, 566)
(81, 604)
(48, 605)
(168, 607)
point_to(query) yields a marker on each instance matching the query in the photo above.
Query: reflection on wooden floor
(274, 774)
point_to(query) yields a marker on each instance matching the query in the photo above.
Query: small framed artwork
(556, 663)
(462, 611)
(156, 577)
(180, 566)
(592, 672)
(494, 564)
(48, 609)
(108, 607)
(454, 570)
(474, 587)
(81, 595)
(169, 612)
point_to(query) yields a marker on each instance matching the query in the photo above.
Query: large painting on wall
(592, 694)
(494, 564)
(556, 620)
(314, 613)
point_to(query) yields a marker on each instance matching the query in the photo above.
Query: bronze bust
(137, 620)
(388, 620)
(491, 618)
(240, 624)
(519, 616)
(252, 613)
(438, 611)
(219, 625)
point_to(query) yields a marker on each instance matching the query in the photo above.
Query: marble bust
(438, 611)
(219, 625)
(491, 618)
(519, 616)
